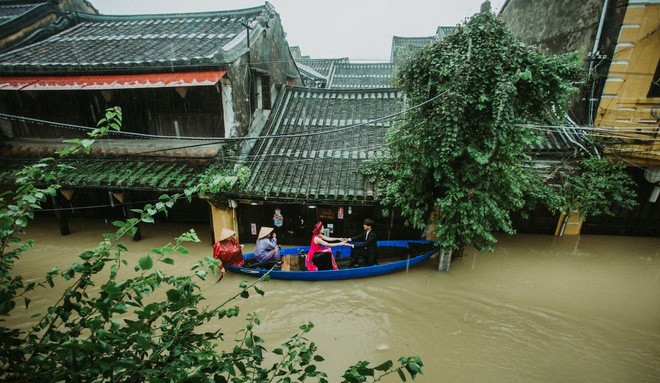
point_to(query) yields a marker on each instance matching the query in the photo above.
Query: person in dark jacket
(366, 246)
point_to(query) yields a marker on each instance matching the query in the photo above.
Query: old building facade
(619, 46)
(184, 83)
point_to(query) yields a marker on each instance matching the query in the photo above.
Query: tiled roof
(11, 11)
(310, 75)
(330, 133)
(559, 142)
(20, 19)
(416, 41)
(401, 46)
(321, 151)
(162, 148)
(349, 76)
(323, 66)
(123, 164)
(441, 32)
(96, 43)
(117, 174)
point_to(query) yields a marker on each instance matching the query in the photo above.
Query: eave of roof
(165, 165)
(362, 75)
(324, 66)
(310, 73)
(113, 148)
(119, 174)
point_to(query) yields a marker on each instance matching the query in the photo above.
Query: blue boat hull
(349, 273)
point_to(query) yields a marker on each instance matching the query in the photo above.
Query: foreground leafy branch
(117, 322)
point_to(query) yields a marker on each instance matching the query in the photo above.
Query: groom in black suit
(366, 247)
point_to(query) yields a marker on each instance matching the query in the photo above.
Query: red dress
(229, 252)
(315, 248)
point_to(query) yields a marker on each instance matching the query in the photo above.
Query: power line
(544, 128)
(586, 132)
(120, 204)
(306, 134)
(632, 129)
(12, 117)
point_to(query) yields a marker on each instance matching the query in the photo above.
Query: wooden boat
(392, 256)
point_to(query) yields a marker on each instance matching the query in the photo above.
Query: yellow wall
(223, 218)
(624, 103)
(571, 226)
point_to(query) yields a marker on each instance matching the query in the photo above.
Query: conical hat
(226, 233)
(264, 231)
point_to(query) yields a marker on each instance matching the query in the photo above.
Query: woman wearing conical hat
(267, 248)
(227, 249)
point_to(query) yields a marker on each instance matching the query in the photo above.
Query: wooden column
(61, 215)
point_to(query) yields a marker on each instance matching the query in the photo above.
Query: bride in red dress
(319, 256)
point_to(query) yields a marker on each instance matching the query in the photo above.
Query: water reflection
(539, 309)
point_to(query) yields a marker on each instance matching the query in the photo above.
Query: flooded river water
(539, 309)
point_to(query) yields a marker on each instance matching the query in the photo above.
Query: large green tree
(458, 159)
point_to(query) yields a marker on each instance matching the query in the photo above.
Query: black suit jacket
(368, 244)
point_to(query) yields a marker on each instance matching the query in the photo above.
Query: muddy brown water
(539, 309)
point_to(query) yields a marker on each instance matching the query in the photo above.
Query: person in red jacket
(228, 250)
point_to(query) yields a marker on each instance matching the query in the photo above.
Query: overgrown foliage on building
(459, 159)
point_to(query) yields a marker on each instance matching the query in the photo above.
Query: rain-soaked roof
(166, 165)
(330, 134)
(87, 43)
(362, 75)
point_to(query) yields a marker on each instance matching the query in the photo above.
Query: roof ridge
(415, 37)
(297, 88)
(235, 12)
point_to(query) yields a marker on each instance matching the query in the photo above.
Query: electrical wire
(587, 130)
(12, 117)
(597, 135)
(120, 204)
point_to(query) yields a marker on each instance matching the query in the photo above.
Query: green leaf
(146, 262)
(384, 366)
(173, 295)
